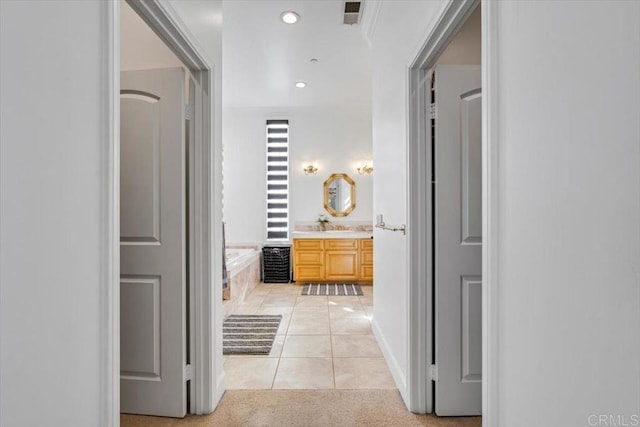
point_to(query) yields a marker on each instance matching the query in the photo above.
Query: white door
(152, 243)
(458, 231)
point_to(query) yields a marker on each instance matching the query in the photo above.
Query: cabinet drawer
(307, 258)
(341, 244)
(366, 272)
(366, 244)
(307, 244)
(366, 257)
(308, 272)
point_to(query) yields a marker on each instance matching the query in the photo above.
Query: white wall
(569, 212)
(53, 154)
(569, 204)
(336, 139)
(393, 45)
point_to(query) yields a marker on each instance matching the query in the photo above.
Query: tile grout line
(333, 360)
(286, 334)
(275, 373)
(291, 305)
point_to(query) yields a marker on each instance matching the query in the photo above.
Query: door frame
(420, 234)
(206, 387)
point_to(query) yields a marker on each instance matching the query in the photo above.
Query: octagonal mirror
(339, 194)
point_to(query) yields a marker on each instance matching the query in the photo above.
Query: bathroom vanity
(342, 254)
(332, 257)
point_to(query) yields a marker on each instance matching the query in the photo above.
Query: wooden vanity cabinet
(308, 259)
(333, 260)
(366, 260)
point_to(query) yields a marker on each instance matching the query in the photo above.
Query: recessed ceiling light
(313, 60)
(301, 84)
(289, 17)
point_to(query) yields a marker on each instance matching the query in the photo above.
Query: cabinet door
(341, 265)
(308, 260)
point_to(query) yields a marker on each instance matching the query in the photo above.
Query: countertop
(332, 234)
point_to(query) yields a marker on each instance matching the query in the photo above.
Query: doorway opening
(297, 172)
(446, 213)
(166, 222)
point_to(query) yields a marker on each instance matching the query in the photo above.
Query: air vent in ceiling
(352, 12)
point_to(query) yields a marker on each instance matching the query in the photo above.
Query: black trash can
(276, 264)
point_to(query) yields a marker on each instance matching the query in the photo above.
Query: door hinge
(433, 373)
(187, 373)
(432, 110)
(188, 111)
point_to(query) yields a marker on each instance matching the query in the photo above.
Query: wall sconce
(365, 169)
(310, 169)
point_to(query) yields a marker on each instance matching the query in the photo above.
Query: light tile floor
(322, 343)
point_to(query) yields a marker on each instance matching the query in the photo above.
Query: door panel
(458, 230)
(152, 246)
(140, 168)
(140, 310)
(471, 329)
(471, 139)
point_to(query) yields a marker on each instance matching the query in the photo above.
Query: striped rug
(249, 334)
(338, 289)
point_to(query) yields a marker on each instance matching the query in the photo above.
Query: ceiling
(263, 58)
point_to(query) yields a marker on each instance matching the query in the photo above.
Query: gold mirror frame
(351, 183)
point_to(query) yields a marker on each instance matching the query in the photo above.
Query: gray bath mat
(249, 334)
(330, 289)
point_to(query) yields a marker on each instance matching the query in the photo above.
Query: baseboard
(392, 363)
(219, 391)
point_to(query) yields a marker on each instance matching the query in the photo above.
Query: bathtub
(239, 258)
(244, 274)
